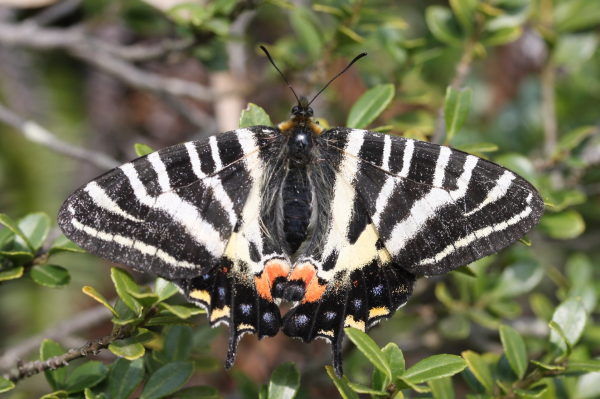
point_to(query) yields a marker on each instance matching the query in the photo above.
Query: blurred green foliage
(516, 81)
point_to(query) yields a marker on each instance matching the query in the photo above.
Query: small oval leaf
(571, 317)
(167, 380)
(514, 349)
(341, 384)
(56, 378)
(434, 367)
(284, 382)
(370, 105)
(124, 377)
(86, 376)
(91, 291)
(369, 348)
(480, 370)
(36, 227)
(564, 225)
(50, 276)
(443, 26)
(164, 289)
(124, 284)
(6, 385)
(254, 115)
(456, 109)
(142, 149)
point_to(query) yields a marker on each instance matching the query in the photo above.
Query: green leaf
(142, 149)
(124, 284)
(307, 33)
(370, 105)
(502, 36)
(574, 15)
(395, 359)
(541, 306)
(254, 115)
(264, 392)
(434, 367)
(167, 380)
(247, 388)
(56, 378)
(518, 279)
(50, 275)
(480, 370)
(575, 137)
(35, 226)
(124, 377)
(564, 225)
(351, 34)
(6, 385)
(466, 270)
(86, 376)
(443, 26)
(91, 291)
(341, 384)
(455, 326)
(442, 388)
(532, 392)
(369, 348)
(164, 289)
(546, 366)
(477, 148)
(198, 392)
(12, 273)
(284, 382)
(178, 343)
(572, 51)
(180, 311)
(168, 321)
(14, 227)
(63, 244)
(514, 349)
(571, 317)
(56, 395)
(360, 388)
(146, 298)
(465, 12)
(520, 164)
(88, 394)
(592, 366)
(402, 384)
(127, 348)
(456, 109)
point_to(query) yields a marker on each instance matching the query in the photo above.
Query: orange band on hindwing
(307, 272)
(264, 282)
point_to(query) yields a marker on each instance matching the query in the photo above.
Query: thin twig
(37, 134)
(54, 12)
(462, 70)
(82, 321)
(139, 52)
(91, 348)
(76, 42)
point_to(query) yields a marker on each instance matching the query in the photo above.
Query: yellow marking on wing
(379, 311)
(218, 313)
(245, 327)
(201, 295)
(328, 333)
(351, 322)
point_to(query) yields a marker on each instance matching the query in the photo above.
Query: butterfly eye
(309, 111)
(295, 110)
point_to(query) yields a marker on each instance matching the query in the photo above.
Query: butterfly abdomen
(297, 198)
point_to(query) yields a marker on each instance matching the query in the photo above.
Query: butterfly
(338, 221)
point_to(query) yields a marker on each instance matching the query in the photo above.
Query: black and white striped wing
(170, 212)
(399, 208)
(433, 207)
(191, 213)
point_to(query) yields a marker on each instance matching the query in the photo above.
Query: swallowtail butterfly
(339, 221)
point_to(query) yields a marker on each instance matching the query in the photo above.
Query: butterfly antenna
(281, 73)
(358, 57)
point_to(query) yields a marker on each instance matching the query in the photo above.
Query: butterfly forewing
(433, 207)
(170, 212)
